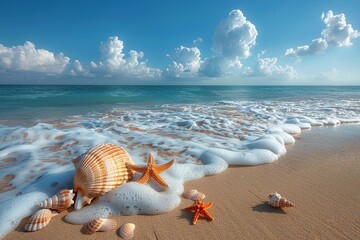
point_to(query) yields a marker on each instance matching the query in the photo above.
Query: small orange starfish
(151, 171)
(200, 210)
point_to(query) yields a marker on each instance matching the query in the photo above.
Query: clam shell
(187, 194)
(39, 220)
(193, 194)
(198, 195)
(60, 201)
(276, 200)
(99, 225)
(102, 169)
(126, 231)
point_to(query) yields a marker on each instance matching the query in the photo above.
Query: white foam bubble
(13, 210)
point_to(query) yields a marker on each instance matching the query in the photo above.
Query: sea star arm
(136, 168)
(144, 178)
(193, 207)
(159, 179)
(196, 216)
(207, 215)
(208, 205)
(164, 167)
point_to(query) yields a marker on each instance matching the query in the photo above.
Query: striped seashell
(126, 231)
(99, 171)
(60, 201)
(39, 220)
(277, 201)
(99, 225)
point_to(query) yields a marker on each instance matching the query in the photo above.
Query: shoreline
(319, 174)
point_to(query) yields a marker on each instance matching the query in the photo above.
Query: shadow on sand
(265, 207)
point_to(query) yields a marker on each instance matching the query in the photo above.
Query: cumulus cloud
(218, 66)
(29, 58)
(268, 67)
(234, 36)
(185, 62)
(337, 33)
(233, 39)
(114, 62)
(317, 45)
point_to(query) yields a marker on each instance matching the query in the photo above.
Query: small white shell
(193, 194)
(60, 201)
(126, 231)
(187, 194)
(276, 200)
(99, 225)
(39, 220)
(198, 195)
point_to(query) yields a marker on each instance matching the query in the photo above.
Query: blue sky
(180, 42)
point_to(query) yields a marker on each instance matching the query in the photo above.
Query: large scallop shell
(99, 225)
(126, 231)
(39, 220)
(60, 201)
(276, 200)
(102, 169)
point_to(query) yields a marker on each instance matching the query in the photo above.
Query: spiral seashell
(39, 220)
(99, 225)
(99, 171)
(126, 231)
(277, 201)
(60, 201)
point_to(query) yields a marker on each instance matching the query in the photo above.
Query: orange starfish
(200, 210)
(151, 171)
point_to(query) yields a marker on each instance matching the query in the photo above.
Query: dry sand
(320, 174)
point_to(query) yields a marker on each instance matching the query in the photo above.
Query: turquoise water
(36, 102)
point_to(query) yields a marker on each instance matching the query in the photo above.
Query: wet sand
(320, 174)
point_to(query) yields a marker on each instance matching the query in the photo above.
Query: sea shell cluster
(99, 171)
(193, 194)
(276, 200)
(60, 201)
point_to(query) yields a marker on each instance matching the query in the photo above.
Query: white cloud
(337, 33)
(29, 58)
(115, 63)
(318, 45)
(79, 70)
(185, 62)
(198, 40)
(233, 39)
(268, 67)
(234, 36)
(218, 66)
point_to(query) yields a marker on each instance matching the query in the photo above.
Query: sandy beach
(320, 174)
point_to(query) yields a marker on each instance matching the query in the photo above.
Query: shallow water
(205, 129)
